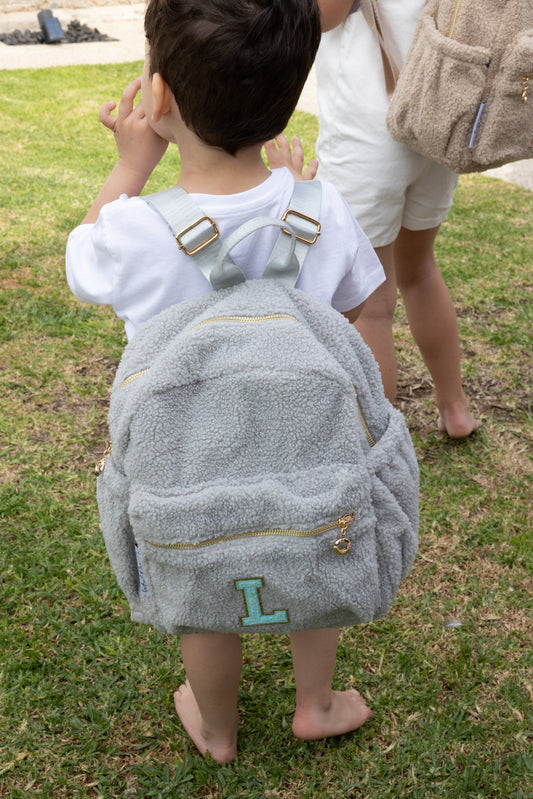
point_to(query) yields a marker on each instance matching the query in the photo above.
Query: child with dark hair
(220, 78)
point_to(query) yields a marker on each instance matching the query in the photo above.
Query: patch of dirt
(488, 397)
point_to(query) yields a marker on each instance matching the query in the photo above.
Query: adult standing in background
(398, 197)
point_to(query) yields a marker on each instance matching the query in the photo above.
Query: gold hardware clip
(208, 239)
(300, 237)
(343, 544)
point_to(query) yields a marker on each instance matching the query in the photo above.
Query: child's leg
(320, 711)
(207, 702)
(433, 323)
(375, 322)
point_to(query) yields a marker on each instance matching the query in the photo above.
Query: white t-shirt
(129, 259)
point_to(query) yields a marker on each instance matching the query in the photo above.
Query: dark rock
(74, 34)
(18, 37)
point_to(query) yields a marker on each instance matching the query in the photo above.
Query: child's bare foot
(222, 746)
(346, 712)
(457, 422)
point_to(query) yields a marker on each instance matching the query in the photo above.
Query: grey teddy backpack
(258, 480)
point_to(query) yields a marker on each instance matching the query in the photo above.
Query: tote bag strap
(370, 10)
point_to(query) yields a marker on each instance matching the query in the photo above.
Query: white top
(386, 184)
(129, 259)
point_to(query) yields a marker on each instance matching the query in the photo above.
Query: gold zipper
(341, 546)
(100, 465)
(525, 86)
(134, 377)
(454, 20)
(267, 318)
(369, 435)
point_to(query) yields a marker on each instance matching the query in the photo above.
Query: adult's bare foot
(221, 745)
(347, 711)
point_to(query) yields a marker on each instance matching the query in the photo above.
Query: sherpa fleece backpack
(258, 480)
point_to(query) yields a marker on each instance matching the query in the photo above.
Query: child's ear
(162, 97)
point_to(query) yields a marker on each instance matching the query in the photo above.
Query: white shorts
(386, 185)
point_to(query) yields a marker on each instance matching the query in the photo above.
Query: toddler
(221, 77)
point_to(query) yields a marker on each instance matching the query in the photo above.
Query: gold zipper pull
(100, 466)
(525, 86)
(343, 544)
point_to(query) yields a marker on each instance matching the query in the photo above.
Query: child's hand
(139, 146)
(278, 152)
(139, 150)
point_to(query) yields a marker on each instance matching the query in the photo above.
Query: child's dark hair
(235, 67)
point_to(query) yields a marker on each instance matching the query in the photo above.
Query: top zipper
(454, 20)
(370, 437)
(134, 376)
(266, 318)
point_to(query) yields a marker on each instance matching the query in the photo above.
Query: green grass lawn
(86, 696)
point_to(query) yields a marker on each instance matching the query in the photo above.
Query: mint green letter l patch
(252, 602)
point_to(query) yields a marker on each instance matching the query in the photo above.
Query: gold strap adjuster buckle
(210, 236)
(301, 236)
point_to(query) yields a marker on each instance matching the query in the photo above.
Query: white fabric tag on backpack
(142, 582)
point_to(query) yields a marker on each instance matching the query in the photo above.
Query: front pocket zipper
(342, 544)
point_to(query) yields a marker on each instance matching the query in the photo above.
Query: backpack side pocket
(112, 493)
(506, 130)
(393, 470)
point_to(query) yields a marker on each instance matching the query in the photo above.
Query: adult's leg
(207, 702)
(433, 322)
(320, 711)
(375, 322)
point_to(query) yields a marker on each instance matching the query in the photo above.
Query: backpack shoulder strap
(197, 235)
(301, 217)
